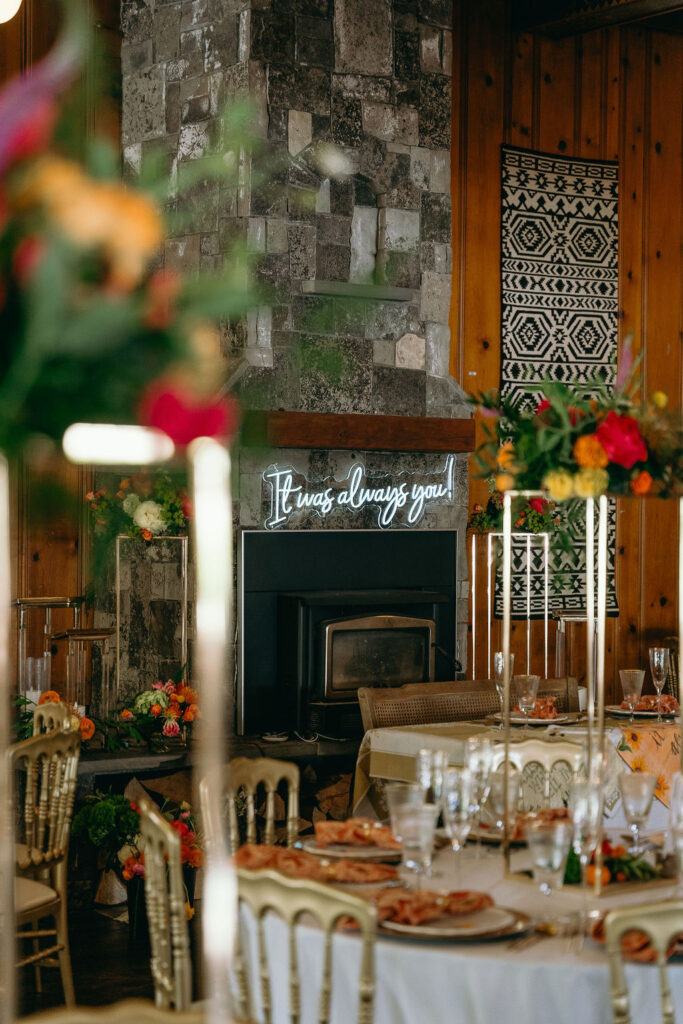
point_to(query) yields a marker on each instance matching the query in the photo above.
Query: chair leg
(65, 956)
(36, 969)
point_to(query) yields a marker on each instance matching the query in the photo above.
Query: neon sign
(405, 501)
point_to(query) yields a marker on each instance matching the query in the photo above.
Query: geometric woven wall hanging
(559, 294)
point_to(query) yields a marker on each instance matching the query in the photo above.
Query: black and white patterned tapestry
(559, 256)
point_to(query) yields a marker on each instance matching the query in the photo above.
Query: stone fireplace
(353, 236)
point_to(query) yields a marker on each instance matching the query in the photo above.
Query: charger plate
(350, 851)
(519, 719)
(618, 712)
(492, 923)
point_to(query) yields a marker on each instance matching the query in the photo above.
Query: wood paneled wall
(614, 94)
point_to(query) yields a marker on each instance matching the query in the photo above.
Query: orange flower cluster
(86, 726)
(190, 851)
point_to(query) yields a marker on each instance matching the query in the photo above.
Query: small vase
(110, 889)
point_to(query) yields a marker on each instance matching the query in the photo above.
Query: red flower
(542, 406)
(620, 437)
(188, 507)
(26, 258)
(31, 134)
(538, 505)
(147, 535)
(180, 827)
(177, 414)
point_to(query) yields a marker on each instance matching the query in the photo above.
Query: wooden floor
(107, 966)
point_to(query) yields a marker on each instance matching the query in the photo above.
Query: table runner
(653, 747)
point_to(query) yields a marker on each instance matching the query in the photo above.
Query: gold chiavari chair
(662, 922)
(51, 716)
(45, 768)
(294, 899)
(165, 902)
(245, 773)
(130, 1011)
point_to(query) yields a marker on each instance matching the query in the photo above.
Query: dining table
(389, 754)
(549, 980)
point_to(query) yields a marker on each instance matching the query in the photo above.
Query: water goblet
(479, 762)
(659, 667)
(429, 769)
(416, 825)
(637, 791)
(397, 795)
(549, 843)
(496, 798)
(585, 809)
(499, 679)
(632, 686)
(457, 805)
(526, 688)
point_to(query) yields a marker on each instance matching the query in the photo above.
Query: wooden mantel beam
(358, 432)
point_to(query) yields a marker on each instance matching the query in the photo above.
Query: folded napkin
(408, 906)
(356, 832)
(299, 864)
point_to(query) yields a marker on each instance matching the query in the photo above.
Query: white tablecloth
(484, 983)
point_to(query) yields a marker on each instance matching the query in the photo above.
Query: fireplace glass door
(376, 650)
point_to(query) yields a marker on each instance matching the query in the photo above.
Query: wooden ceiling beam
(570, 17)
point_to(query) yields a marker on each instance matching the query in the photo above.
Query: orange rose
(49, 697)
(505, 482)
(127, 715)
(86, 727)
(155, 710)
(173, 711)
(147, 535)
(191, 712)
(589, 453)
(642, 483)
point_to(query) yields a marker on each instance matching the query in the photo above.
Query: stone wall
(354, 98)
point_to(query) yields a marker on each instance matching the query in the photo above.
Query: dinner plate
(492, 923)
(518, 719)
(349, 851)
(619, 712)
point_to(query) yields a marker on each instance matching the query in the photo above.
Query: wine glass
(398, 794)
(549, 843)
(499, 679)
(632, 686)
(659, 667)
(585, 809)
(457, 805)
(416, 826)
(479, 762)
(526, 688)
(637, 791)
(429, 769)
(496, 799)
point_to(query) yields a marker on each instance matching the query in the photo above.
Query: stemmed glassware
(496, 800)
(659, 667)
(479, 762)
(549, 843)
(499, 679)
(415, 825)
(637, 791)
(400, 794)
(585, 809)
(526, 688)
(429, 769)
(458, 807)
(632, 686)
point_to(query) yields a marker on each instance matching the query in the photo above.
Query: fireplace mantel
(278, 429)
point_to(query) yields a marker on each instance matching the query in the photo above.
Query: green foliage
(108, 821)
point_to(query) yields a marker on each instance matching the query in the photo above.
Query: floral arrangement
(535, 515)
(180, 818)
(143, 506)
(23, 716)
(161, 712)
(83, 301)
(617, 866)
(583, 442)
(111, 823)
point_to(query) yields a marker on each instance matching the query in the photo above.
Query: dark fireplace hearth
(322, 613)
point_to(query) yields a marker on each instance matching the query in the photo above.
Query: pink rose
(168, 687)
(171, 727)
(620, 437)
(158, 686)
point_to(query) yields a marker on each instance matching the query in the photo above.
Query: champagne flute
(632, 686)
(585, 808)
(499, 679)
(526, 688)
(457, 805)
(479, 762)
(637, 791)
(659, 667)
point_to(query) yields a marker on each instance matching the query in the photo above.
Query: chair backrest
(51, 716)
(130, 1011)
(165, 900)
(662, 922)
(247, 774)
(293, 899)
(546, 766)
(47, 766)
(460, 701)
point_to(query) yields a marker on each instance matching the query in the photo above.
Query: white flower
(149, 516)
(130, 503)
